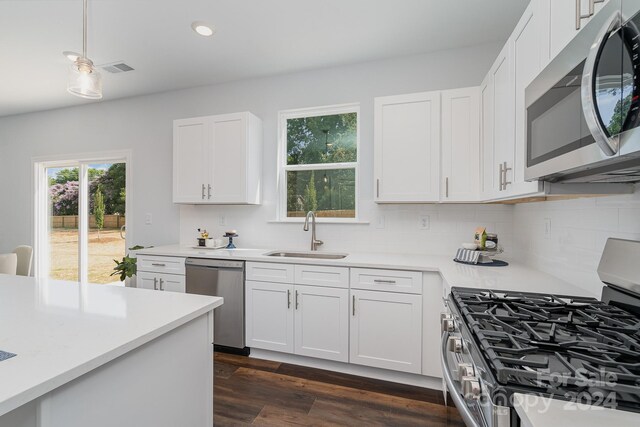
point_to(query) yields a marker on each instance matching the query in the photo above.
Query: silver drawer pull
(390, 282)
(155, 284)
(158, 264)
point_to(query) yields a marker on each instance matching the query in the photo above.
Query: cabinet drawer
(161, 264)
(334, 277)
(269, 272)
(387, 280)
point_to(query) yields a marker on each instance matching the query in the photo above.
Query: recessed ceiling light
(203, 28)
(71, 56)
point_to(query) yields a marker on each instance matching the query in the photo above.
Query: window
(319, 162)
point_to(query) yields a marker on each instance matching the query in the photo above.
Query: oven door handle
(455, 393)
(608, 144)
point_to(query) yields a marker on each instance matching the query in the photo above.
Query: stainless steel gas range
(497, 343)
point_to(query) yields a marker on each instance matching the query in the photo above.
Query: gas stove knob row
(447, 323)
(471, 388)
(465, 370)
(454, 344)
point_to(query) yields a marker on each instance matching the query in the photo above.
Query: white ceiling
(254, 38)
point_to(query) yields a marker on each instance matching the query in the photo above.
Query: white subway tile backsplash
(579, 230)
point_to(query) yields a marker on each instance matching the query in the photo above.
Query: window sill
(352, 221)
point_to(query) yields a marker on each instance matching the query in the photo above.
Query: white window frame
(283, 168)
(40, 205)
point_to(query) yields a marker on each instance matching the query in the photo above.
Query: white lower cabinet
(306, 320)
(386, 330)
(432, 306)
(321, 322)
(161, 281)
(269, 316)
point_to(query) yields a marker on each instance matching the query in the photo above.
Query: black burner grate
(572, 347)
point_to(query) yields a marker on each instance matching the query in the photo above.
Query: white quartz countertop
(62, 330)
(536, 411)
(515, 277)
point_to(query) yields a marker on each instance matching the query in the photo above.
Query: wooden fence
(71, 221)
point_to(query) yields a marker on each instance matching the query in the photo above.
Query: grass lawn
(102, 252)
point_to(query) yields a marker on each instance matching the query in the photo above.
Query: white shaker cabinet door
(146, 280)
(322, 322)
(407, 148)
(227, 154)
(172, 283)
(460, 145)
(269, 316)
(386, 330)
(191, 139)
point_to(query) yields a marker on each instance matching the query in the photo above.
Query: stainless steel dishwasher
(221, 278)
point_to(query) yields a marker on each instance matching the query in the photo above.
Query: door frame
(39, 208)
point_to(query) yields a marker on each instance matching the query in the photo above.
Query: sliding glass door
(81, 211)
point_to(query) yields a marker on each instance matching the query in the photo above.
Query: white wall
(579, 230)
(144, 125)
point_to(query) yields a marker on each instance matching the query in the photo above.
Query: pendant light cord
(84, 28)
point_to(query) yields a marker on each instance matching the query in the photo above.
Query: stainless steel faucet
(314, 242)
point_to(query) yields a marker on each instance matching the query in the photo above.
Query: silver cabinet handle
(155, 284)
(158, 264)
(209, 191)
(297, 304)
(161, 282)
(288, 298)
(505, 169)
(501, 177)
(592, 6)
(353, 305)
(391, 282)
(378, 187)
(580, 16)
(446, 187)
(202, 191)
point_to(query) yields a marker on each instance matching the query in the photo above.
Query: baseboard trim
(348, 368)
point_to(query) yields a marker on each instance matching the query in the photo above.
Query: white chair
(25, 257)
(8, 263)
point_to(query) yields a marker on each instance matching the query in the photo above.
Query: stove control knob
(454, 344)
(471, 388)
(448, 325)
(465, 370)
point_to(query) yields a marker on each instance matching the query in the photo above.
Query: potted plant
(127, 267)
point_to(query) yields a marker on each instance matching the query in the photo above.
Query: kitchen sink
(312, 255)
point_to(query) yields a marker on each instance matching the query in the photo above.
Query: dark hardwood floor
(264, 393)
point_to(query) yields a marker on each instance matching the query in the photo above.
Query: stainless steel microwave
(583, 109)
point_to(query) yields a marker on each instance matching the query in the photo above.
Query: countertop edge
(59, 380)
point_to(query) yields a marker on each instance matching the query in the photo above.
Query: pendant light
(84, 80)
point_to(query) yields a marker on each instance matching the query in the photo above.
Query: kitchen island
(104, 355)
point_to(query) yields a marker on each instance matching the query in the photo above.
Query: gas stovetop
(573, 348)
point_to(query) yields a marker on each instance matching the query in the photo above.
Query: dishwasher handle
(214, 263)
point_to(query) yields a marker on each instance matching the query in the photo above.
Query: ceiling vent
(116, 67)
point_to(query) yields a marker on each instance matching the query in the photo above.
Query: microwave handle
(608, 144)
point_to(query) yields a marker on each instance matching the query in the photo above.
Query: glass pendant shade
(84, 80)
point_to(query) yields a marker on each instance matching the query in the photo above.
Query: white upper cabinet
(191, 138)
(561, 21)
(217, 159)
(501, 75)
(407, 148)
(460, 145)
(488, 179)
(527, 63)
